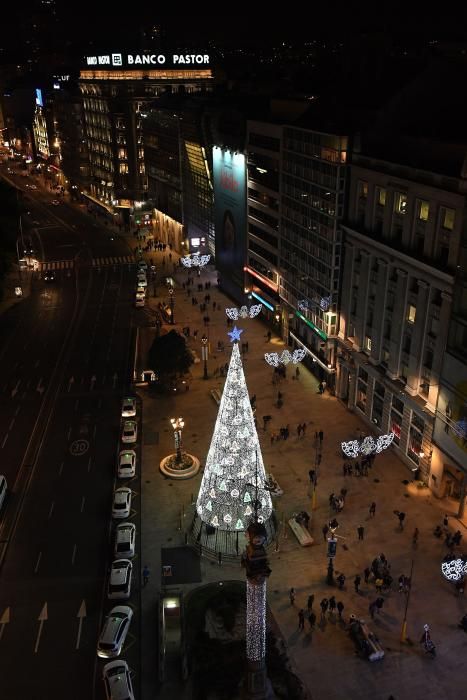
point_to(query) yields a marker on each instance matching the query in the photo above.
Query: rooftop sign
(159, 60)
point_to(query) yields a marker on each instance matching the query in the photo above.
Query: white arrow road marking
(80, 615)
(60, 469)
(70, 382)
(4, 620)
(82, 503)
(15, 390)
(50, 511)
(38, 562)
(89, 464)
(42, 618)
(11, 424)
(40, 387)
(73, 555)
(4, 440)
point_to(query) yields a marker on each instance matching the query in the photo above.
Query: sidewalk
(325, 660)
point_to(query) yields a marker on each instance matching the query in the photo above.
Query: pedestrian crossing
(105, 261)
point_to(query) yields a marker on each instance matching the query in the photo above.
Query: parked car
(114, 631)
(122, 503)
(129, 407)
(49, 276)
(140, 302)
(119, 587)
(129, 431)
(126, 464)
(117, 681)
(142, 265)
(125, 536)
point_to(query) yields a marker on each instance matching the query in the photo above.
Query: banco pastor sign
(158, 60)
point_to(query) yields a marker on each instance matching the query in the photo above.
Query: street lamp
(172, 305)
(204, 354)
(177, 425)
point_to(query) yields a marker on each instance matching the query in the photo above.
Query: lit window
(448, 217)
(381, 196)
(362, 189)
(400, 203)
(123, 168)
(423, 210)
(122, 152)
(368, 343)
(411, 314)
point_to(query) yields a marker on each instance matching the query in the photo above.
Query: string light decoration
(196, 261)
(274, 359)
(324, 303)
(454, 568)
(243, 312)
(234, 475)
(367, 446)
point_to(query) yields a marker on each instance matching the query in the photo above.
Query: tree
(169, 357)
(234, 476)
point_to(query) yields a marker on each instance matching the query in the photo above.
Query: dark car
(49, 276)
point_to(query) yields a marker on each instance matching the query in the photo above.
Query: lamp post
(172, 305)
(178, 425)
(204, 354)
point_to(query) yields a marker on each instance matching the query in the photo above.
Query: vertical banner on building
(450, 431)
(230, 219)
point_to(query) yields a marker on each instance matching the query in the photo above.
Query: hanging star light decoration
(274, 359)
(196, 261)
(235, 334)
(367, 446)
(243, 312)
(324, 303)
(234, 475)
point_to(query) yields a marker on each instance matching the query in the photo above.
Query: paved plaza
(325, 659)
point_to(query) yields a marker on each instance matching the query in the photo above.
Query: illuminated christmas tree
(234, 475)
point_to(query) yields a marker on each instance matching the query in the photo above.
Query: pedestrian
(340, 581)
(324, 606)
(379, 584)
(415, 537)
(146, 573)
(297, 373)
(379, 602)
(312, 620)
(310, 601)
(445, 521)
(401, 517)
(325, 532)
(356, 582)
(340, 609)
(361, 531)
(371, 609)
(332, 605)
(321, 437)
(303, 429)
(456, 538)
(301, 619)
(401, 581)
(366, 574)
(373, 509)
(299, 430)
(292, 596)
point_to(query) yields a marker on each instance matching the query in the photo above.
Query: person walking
(310, 602)
(379, 602)
(292, 596)
(324, 606)
(312, 620)
(340, 609)
(301, 619)
(356, 582)
(401, 517)
(366, 574)
(146, 573)
(325, 532)
(379, 585)
(340, 581)
(372, 509)
(371, 609)
(415, 537)
(332, 605)
(321, 437)
(361, 531)
(297, 373)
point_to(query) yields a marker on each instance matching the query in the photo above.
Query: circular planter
(189, 466)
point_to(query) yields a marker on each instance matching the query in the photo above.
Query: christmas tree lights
(234, 475)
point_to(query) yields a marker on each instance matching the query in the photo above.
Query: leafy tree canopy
(169, 356)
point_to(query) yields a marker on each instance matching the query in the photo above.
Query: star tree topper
(235, 334)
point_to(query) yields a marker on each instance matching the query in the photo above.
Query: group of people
(360, 468)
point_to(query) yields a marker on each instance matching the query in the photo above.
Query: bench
(301, 533)
(216, 395)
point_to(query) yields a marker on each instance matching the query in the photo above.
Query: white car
(140, 302)
(114, 631)
(122, 503)
(125, 536)
(129, 407)
(55, 202)
(140, 293)
(129, 431)
(142, 281)
(126, 464)
(117, 681)
(120, 579)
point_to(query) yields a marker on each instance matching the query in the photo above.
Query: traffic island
(183, 468)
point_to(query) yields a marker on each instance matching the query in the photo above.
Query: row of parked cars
(141, 283)
(116, 673)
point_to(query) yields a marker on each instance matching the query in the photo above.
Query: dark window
(266, 237)
(263, 253)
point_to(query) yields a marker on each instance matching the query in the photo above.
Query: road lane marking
(4, 440)
(14, 391)
(38, 562)
(4, 620)
(81, 614)
(89, 464)
(95, 431)
(11, 424)
(18, 409)
(60, 469)
(69, 433)
(51, 510)
(82, 503)
(73, 555)
(42, 618)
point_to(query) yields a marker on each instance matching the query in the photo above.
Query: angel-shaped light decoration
(454, 568)
(274, 359)
(196, 261)
(243, 312)
(367, 446)
(350, 448)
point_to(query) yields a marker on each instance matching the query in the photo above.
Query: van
(2, 489)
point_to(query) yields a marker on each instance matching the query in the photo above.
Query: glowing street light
(178, 425)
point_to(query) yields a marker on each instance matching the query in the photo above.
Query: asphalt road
(66, 360)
